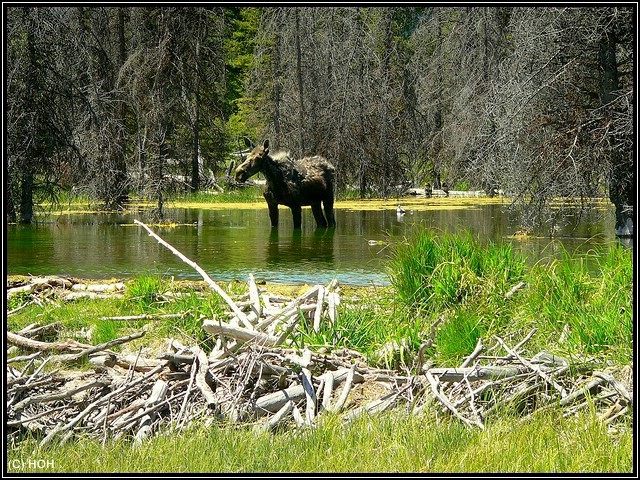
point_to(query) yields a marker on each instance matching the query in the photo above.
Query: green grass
(581, 305)
(385, 443)
(239, 195)
(594, 309)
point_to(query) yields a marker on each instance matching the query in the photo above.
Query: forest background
(113, 102)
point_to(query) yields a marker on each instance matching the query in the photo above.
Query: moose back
(294, 183)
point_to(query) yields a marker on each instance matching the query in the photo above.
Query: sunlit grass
(239, 195)
(577, 308)
(384, 443)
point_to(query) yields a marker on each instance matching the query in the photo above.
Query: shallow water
(231, 243)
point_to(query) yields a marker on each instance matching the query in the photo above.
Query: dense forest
(115, 102)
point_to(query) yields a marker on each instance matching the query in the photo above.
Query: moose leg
(273, 214)
(328, 211)
(296, 210)
(317, 214)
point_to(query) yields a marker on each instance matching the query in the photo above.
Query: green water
(230, 244)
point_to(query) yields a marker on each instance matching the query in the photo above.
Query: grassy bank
(581, 312)
(386, 443)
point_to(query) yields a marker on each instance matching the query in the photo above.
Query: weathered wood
(273, 422)
(67, 427)
(272, 402)
(131, 318)
(254, 295)
(30, 344)
(158, 394)
(24, 358)
(201, 377)
(11, 292)
(457, 374)
(183, 407)
(71, 357)
(98, 288)
(310, 394)
(447, 403)
(619, 387)
(54, 397)
(219, 327)
(202, 273)
(376, 406)
(349, 380)
(69, 297)
(476, 351)
(176, 358)
(533, 367)
(318, 311)
(289, 310)
(517, 287)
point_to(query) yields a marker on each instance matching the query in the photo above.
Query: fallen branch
(202, 273)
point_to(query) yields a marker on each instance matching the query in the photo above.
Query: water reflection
(315, 248)
(229, 244)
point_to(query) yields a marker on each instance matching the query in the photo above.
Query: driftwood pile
(50, 289)
(255, 376)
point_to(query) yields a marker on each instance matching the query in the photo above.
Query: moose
(294, 183)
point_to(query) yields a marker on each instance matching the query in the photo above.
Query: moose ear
(266, 146)
(248, 143)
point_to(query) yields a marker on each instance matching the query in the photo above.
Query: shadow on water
(230, 244)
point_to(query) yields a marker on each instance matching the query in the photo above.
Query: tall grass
(580, 304)
(436, 271)
(587, 301)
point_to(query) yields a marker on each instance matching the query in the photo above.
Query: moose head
(254, 162)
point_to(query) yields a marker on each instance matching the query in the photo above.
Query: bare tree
(39, 99)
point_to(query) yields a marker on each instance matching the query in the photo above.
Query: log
(273, 422)
(291, 308)
(18, 290)
(183, 408)
(310, 394)
(40, 283)
(350, 378)
(59, 396)
(376, 406)
(69, 297)
(475, 373)
(445, 401)
(67, 427)
(535, 368)
(254, 295)
(617, 386)
(213, 327)
(23, 358)
(273, 402)
(318, 311)
(98, 288)
(202, 273)
(29, 344)
(71, 357)
(131, 318)
(471, 358)
(201, 377)
(158, 393)
(510, 293)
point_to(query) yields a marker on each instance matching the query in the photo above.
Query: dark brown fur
(294, 183)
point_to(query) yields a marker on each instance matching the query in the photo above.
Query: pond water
(230, 243)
